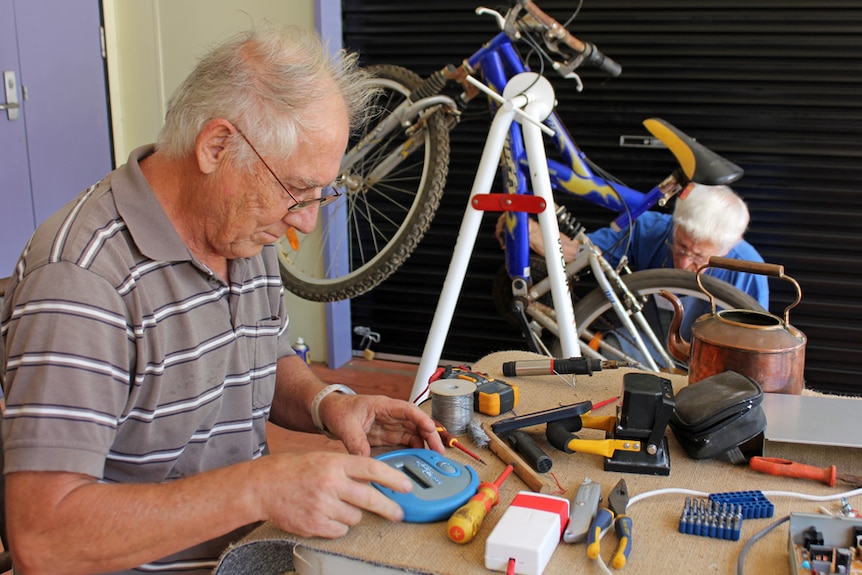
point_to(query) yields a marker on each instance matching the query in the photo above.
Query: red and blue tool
(615, 513)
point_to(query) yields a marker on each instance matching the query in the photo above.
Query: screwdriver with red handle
(452, 441)
(787, 468)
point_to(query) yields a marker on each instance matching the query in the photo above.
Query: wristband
(315, 403)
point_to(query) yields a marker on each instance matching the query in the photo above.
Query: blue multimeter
(440, 485)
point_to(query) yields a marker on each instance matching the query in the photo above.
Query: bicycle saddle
(699, 163)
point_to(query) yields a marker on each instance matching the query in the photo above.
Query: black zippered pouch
(717, 414)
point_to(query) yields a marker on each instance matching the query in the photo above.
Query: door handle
(11, 88)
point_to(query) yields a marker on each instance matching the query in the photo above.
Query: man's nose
(688, 264)
(304, 220)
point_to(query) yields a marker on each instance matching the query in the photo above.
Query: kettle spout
(677, 346)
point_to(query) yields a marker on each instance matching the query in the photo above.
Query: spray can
(301, 350)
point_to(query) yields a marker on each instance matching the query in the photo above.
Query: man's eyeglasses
(693, 256)
(328, 195)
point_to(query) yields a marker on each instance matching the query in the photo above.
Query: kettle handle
(772, 270)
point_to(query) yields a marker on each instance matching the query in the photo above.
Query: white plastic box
(528, 532)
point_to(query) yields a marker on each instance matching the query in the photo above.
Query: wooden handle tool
(507, 455)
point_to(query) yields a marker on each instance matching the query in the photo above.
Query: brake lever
(483, 11)
(568, 74)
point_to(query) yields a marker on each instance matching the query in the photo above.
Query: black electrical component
(812, 536)
(530, 450)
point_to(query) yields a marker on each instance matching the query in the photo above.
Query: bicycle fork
(601, 267)
(626, 305)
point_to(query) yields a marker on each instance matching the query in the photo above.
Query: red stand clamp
(508, 203)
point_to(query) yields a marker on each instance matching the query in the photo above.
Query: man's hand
(323, 494)
(499, 230)
(363, 421)
(74, 523)
(570, 246)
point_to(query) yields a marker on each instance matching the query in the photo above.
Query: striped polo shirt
(127, 359)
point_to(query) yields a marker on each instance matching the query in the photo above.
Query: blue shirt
(647, 250)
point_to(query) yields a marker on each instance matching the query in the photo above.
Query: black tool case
(716, 415)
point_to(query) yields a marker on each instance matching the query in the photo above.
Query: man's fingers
(366, 496)
(363, 495)
(499, 230)
(368, 469)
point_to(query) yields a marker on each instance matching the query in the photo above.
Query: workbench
(378, 546)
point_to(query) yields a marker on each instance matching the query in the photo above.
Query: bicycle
(394, 175)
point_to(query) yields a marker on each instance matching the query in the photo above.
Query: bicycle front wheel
(598, 325)
(363, 237)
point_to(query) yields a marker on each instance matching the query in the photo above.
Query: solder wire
(452, 404)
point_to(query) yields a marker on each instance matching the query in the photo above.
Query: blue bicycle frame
(497, 62)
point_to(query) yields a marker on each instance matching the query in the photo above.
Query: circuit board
(822, 544)
(827, 560)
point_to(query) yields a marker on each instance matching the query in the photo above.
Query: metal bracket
(11, 87)
(640, 142)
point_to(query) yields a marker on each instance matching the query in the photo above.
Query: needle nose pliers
(615, 513)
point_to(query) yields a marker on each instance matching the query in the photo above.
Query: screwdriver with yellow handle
(466, 521)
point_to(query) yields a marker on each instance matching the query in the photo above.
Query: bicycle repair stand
(529, 98)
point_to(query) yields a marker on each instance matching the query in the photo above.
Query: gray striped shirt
(129, 360)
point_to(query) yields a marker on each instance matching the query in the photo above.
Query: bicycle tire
(594, 310)
(384, 221)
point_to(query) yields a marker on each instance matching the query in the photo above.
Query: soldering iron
(551, 366)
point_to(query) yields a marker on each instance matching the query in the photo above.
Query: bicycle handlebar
(586, 50)
(604, 63)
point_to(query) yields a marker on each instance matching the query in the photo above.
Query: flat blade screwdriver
(452, 441)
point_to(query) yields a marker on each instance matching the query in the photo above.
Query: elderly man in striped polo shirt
(146, 341)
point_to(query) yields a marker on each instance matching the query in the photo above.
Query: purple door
(16, 202)
(60, 142)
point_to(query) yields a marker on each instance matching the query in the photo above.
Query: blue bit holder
(754, 504)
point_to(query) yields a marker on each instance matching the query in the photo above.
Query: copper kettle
(758, 344)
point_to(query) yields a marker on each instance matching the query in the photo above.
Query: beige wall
(152, 45)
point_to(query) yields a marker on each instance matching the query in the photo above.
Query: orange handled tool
(787, 468)
(466, 521)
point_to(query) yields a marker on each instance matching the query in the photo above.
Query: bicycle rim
(368, 233)
(598, 325)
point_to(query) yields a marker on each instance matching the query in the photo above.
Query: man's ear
(211, 144)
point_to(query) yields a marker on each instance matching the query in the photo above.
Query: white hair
(263, 81)
(713, 214)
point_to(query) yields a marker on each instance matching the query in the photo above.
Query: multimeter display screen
(418, 479)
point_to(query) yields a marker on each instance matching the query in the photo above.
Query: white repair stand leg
(535, 96)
